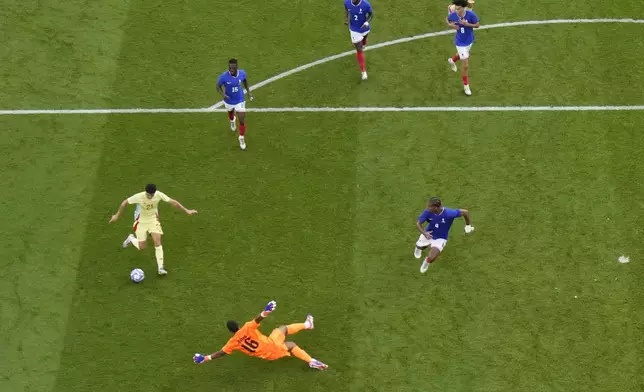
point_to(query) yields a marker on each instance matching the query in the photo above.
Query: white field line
(428, 35)
(342, 109)
(216, 107)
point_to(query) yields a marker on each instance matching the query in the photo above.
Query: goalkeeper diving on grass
(249, 340)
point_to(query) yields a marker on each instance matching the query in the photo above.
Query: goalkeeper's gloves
(269, 308)
(469, 229)
(198, 358)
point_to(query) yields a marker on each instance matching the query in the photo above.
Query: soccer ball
(137, 275)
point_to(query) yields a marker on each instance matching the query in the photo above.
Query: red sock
(465, 81)
(364, 41)
(360, 57)
(242, 129)
(456, 58)
(231, 115)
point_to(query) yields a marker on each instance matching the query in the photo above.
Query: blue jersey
(233, 86)
(439, 224)
(358, 15)
(464, 35)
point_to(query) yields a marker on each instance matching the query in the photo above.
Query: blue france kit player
(358, 14)
(464, 21)
(231, 86)
(439, 219)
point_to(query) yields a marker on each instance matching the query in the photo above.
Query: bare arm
(422, 231)
(120, 211)
(181, 207)
(212, 356)
(247, 88)
(221, 91)
(466, 216)
(346, 16)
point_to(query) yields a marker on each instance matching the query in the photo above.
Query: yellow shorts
(141, 229)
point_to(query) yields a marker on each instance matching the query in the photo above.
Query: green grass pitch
(319, 213)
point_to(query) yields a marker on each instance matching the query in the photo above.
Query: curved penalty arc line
(428, 35)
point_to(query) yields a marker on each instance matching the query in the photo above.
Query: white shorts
(464, 51)
(240, 107)
(357, 36)
(438, 243)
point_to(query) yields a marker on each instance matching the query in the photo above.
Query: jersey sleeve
(473, 18)
(229, 347)
(134, 199)
(424, 217)
(346, 4)
(252, 325)
(454, 213)
(221, 80)
(164, 197)
(453, 17)
(242, 74)
(369, 10)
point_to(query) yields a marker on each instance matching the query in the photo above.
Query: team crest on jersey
(360, 11)
(443, 220)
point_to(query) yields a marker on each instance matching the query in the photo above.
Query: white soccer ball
(137, 275)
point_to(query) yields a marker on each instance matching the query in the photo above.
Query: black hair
(232, 326)
(151, 188)
(232, 61)
(435, 201)
(461, 3)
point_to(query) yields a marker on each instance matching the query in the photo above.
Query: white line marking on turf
(341, 109)
(216, 107)
(428, 35)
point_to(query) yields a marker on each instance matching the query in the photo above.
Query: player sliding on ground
(358, 14)
(147, 220)
(434, 236)
(249, 340)
(464, 21)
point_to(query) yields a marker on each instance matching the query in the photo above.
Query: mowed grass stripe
(274, 222)
(57, 51)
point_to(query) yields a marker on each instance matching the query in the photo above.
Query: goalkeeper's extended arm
(198, 358)
(268, 309)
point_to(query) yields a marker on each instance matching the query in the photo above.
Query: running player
(249, 340)
(229, 86)
(434, 236)
(147, 220)
(358, 14)
(464, 21)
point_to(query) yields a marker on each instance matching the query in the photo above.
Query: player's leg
(230, 111)
(292, 329)
(158, 248)
(464, 54)
(364, 40)
(422, 244)
(437, 247)
(356, 40)
(301, 354)
(452, 62)
(231, 118)
(241, 113)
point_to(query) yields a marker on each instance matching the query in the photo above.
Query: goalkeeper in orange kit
(249, 340)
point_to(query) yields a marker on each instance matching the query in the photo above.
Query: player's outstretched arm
(120, 211)
(181, 207)
(199, 358)
(468, 221)
(268, 309)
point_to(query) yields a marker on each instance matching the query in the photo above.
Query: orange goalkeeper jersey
(249, 340)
